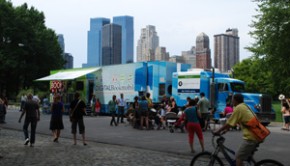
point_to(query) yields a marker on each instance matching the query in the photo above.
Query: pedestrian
(136, 112)
(77, 111)
(31, 109)
(98, 107)
(3, 111)
(173, 105)
(203, 106)
(121, 108)
(241, 115)
(93, 105)
(56, 122)
(192, 125)
(143, 106)
(112, 109)
(22, 101)
(286, 114)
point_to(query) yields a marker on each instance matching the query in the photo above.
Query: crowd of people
(143, 114)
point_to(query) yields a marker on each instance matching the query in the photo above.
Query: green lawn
(277, 108)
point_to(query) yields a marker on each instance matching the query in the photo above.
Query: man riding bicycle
(241, 116)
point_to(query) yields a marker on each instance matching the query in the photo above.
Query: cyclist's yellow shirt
(241, 116)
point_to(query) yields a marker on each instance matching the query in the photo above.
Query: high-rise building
(69, 61)
(226, 50)
(147, 44)
(189, 57)
(67, 57)
(111, 44)
(60, 40)
(127, 24)
(161, 54)
(203, 59)
(176, 59)
(95, 41)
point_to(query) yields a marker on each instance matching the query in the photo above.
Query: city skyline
(177, 24)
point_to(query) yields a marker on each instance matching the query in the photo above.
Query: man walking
(77, 111)
(203, 106)
(31, 108)
(121, 108)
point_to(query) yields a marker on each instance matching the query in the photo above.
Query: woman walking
(192, 115)
(56, 123)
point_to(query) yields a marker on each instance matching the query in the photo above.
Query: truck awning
(68, 74)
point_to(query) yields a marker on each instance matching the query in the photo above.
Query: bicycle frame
(227, 152)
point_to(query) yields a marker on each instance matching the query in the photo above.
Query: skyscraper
(226, 50)
(203, 59)
(161, 54)
(189, 57)
(127, 24)
(147, 44)
(60, 40)
(66, 56)
(94, 41)
(111, 44)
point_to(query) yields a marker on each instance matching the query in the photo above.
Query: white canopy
(68, 74)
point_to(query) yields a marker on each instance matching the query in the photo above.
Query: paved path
(46, 152)
(120, 145)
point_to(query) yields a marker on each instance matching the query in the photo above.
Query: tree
(29, 49)
(272, 39)
(257, 78)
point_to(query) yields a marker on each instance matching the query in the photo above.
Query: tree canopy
(28, 49)
(272, 40)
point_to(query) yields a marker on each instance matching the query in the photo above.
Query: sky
(177, 22)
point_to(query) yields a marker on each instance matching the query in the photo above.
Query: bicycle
(212, 159)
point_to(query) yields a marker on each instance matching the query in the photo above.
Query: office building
(69, 61)
(161, 54)
(127, 24)
(94, 47)
(189, 57)
(203, 58)
(60, 40)
(147, 44)
(111, 44)
(226, 50)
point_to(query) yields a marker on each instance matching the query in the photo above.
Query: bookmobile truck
(219, 88)
(133, 79)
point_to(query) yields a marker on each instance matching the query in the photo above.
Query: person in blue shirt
(191, 115)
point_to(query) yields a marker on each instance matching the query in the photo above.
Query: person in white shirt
(121, 108)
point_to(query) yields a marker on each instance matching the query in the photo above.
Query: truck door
(222, 96)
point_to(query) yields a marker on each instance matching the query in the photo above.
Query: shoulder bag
(257, 128)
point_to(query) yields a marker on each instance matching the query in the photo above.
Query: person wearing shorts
(241, 115)
(77, 110)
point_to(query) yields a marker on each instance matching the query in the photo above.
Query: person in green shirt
(241, 115)
(203, 106)
(112, 109)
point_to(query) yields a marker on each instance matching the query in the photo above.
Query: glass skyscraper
(95, 41)
(127, 24)
(111, 44)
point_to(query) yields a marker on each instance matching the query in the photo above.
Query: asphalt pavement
(121, 145)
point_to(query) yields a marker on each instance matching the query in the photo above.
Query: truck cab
(219, 88)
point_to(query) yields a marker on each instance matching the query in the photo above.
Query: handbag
(257, 128)
(71, 114)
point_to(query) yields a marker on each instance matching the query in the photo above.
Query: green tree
(256, 76)
(272, 39)
(29, 49)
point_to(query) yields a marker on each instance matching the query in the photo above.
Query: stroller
(171, 119)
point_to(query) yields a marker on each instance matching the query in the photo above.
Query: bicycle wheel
(268, 162)
(205, 158)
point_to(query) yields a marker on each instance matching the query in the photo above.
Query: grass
(277, 107)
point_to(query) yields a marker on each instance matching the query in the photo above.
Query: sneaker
(26, 141)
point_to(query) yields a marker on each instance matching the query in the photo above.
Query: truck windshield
(237, 87)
